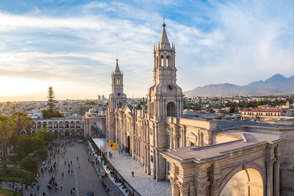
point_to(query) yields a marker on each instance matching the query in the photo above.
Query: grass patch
(17, 175)
(4, 192)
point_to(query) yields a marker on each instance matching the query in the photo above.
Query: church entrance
(128, 145)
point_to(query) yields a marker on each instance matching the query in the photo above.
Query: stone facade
(145, 134)
(62, 126)
(249, 165)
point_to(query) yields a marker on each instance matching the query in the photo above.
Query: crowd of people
(99, 157)
(49, 167)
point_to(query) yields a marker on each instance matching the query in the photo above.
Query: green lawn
(4, 192)
(17, 175)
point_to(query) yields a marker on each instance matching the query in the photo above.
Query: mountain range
(275, 85)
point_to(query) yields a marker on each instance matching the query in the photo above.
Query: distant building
(262, 112)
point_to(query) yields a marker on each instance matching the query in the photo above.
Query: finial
(164, 25)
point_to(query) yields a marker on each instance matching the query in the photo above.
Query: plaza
(84, 177)
(141, 182)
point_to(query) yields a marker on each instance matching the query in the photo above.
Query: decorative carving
(216, 183)
(202, 185)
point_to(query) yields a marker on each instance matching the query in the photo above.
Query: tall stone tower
(117, 99)
(164, 100)
(165, 96)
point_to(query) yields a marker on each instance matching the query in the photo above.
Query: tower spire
(117, 69)
(164, 42)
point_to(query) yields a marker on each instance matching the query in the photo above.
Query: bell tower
(165, 97)
(117, 99)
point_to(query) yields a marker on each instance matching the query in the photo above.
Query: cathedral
(145, 134)
(195, 155)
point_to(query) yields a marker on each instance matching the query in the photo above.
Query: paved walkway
(143, 183)
(83, 179)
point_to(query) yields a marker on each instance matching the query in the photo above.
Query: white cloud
(245, 43)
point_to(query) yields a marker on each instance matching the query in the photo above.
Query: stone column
(269, 171)
(148, 161)
(276, 185)
(174, 188)
(184, 189)
(201, 182)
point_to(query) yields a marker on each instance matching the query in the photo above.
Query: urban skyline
(73, 45)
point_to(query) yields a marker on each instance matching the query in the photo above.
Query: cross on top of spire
(164, 25)
(164, 42)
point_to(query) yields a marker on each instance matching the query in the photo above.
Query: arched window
(168, 61)
(119, 104)
(118, 81)
(162, 61)
(171, 109)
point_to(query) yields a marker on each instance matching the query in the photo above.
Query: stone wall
(287, 181)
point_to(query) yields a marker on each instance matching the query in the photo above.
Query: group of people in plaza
(58, 167)
(95, 155)
(49, 167)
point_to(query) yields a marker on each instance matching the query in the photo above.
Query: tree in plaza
(51, 101)
(6, 131)
(21, 122)
(30, 163)
(46, 135)
(51, 112)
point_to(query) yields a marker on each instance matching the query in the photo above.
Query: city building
(262, 113)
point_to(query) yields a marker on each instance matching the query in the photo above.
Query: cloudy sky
(72, 44)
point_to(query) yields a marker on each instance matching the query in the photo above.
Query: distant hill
(275, 85)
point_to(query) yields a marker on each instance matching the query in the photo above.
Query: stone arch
(73, 134)
(39, 124)
(96, 129)
(171, 109)
(61, 124)
(119, 104)
(250, 172)
(55, 124)
(190, 139)
(67, 124)
(56, 133)
(162, 60)
(168, 61)
(61, 133)
(67, 133)
(72, 125)
(50, 124)
(44, 124)
(78, 125)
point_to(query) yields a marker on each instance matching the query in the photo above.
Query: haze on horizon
(72, 45)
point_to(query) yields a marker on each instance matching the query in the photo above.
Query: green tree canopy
(30, 163)
(6, 131)
(21, 122)
(47, 114)
(51, 101)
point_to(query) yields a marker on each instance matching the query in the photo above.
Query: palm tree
(6, 131)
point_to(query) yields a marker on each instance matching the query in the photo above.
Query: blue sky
(72, 44)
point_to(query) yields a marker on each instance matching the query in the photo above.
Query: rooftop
(263, 110)
(216, 151)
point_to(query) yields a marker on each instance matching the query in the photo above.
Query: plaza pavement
(83, 179)
(141, 182)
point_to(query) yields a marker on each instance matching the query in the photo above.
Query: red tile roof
(263, 110)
